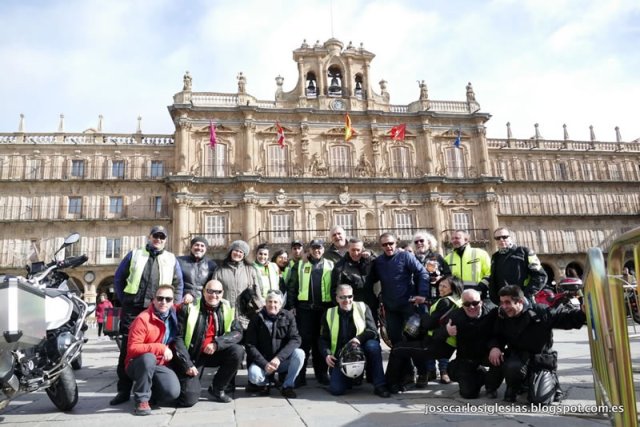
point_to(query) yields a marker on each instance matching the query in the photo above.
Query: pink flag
(212, 135)
(280, 135)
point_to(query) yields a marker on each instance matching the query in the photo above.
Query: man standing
(338, 244)
(353, 270)
(309, 294)
(473, 325)
(522, 343)
(272, 341)
(351, 323)
(404, 282)
(268, 272)
(471, 265)
(197, 269)
(137, 278)
(514, 265)
(294, 257)
(208, 336)
(148, 353)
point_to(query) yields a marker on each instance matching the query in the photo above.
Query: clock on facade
(338, 104)
(89, 276)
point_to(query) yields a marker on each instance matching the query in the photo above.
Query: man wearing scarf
(208, 336)
(149, 352)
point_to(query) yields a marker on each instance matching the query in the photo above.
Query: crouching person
(208, 336)
(350, 325)
(522, 345)
(148, 353)
(273, 346)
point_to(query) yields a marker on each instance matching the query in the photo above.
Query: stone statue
(242, 82)
(471, 96)
(424, 94)
(187, 82)
(364, 166)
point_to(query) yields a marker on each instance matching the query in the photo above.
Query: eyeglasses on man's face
(387, 244)
(214, 291)
(160, 236)
(471, 303)
(418, 241)
(164, 299)
(345, 297)
(502, 237)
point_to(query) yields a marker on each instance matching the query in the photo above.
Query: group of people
(182, 314)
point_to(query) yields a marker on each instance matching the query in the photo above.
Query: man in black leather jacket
(197, 269)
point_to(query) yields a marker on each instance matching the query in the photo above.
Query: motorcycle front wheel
(64, 392)
(77, 362)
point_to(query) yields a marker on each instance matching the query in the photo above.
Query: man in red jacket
(149, 352)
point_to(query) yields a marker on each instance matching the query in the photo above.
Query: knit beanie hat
(239, 245)
(199, 239)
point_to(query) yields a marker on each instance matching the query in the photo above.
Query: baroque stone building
(558, 197)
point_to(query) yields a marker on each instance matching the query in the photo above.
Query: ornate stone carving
(344, 197)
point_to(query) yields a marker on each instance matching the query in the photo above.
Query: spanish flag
(348, 130)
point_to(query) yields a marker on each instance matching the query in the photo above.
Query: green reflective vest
(457, 302)
(192, 318)
(333, 319)
(304, 275)
(269, 277)
(474, 265)
(139, 258)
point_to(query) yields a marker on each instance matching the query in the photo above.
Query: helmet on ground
(412, 326)
(352, 360)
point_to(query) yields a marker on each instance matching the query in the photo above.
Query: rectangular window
(587, 171)
(570, 242)
(216, 160)
(113, 249)
(405, 225)
(532, 171)
(281, 225)
(215, 227)
(400, 162)
(115, 205)
(158, 205)
(339, 163)
(561, 171)
(117, 169)
(75, 205)
(455, 163)
(614, 172)
(73, 250)
(462, 221)
(347, 221)
(157, 169)
(77, 168)
(34, 169)
(277, 161)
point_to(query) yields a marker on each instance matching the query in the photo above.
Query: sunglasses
(345, 297)
(418, 241)
(214, 291)
(384, 245)
(501, 237)
(159, 236)
(471, 303)
(164, 299)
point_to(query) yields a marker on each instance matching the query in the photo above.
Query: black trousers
(419, 351)
(309, 322)
(471, 375)
(227, 361)
(128, 314)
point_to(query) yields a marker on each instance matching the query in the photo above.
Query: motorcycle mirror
(91, 308)
(68, 241)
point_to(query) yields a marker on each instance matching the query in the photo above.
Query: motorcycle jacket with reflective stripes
(473, 266)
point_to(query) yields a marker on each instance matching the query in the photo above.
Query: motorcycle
(568, 291)
(42, 325)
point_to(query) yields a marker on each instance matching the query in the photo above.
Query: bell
(311, 87)
(334, 87)
(358, 86)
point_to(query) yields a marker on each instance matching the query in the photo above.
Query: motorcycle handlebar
(73, 261)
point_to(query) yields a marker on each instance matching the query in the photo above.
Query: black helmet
(412, 326)
(352, 360)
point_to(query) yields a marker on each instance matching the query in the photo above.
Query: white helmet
(352, 360)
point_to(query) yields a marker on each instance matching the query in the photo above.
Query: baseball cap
(297, 243)
(158, 229)
(316, 243)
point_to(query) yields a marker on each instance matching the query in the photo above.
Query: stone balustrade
(85, 138)
(558, 145)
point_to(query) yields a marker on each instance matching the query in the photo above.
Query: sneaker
(444, 378)
(422, 381)
(121, 397)
(397, 388)
(288, 393)
(142, 408)
(558, 396)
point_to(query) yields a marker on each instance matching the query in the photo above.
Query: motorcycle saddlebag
(22, 313)
(112, 321)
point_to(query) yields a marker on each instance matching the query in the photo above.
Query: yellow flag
(348, 130)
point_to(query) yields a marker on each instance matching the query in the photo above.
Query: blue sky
(530, 61)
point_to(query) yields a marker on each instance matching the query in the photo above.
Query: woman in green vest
(426, 339)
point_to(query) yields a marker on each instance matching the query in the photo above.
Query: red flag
(397, 132)
(280, 135)
(212, 135)
(348, 130)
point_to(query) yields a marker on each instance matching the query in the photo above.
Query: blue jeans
(339, 383)
(291, 366)
(442, 363)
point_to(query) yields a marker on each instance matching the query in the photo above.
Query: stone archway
(575, 266)
(106, 287)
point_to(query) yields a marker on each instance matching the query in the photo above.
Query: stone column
(182, 139)
(180, 232)
(249, 231)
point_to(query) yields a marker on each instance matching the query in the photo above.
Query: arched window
(358, 90)
(335, 81)
(311, 88)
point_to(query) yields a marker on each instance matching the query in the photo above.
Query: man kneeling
(208, 336)
(148, 353)
(351, 324)
(273, 346)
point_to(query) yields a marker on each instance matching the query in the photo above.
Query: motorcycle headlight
(64, 340)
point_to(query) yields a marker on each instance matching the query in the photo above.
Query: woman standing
(103, 304)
